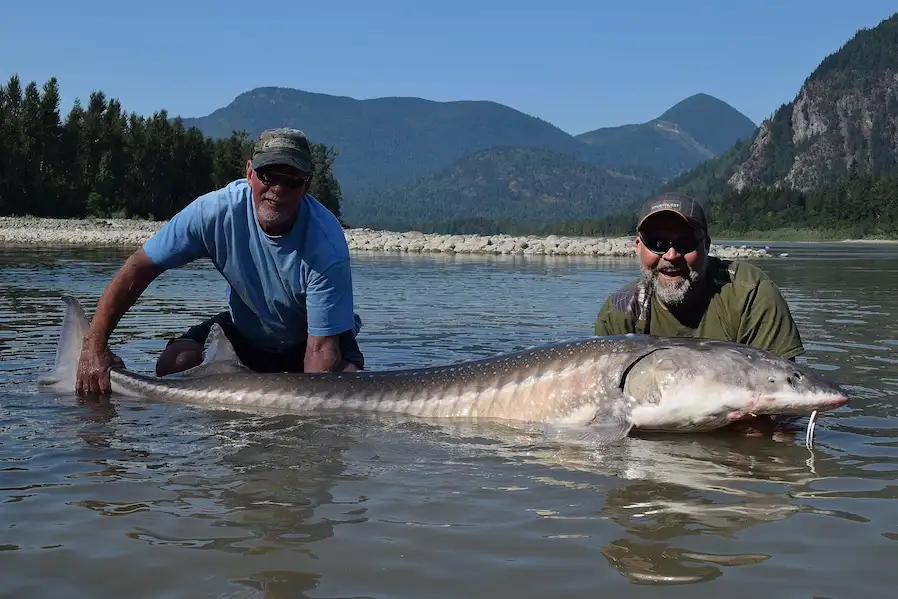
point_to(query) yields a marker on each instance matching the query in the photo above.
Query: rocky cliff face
(844, 117)
(826, 136)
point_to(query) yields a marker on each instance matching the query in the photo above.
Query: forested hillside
(512, 189)
(826, 159)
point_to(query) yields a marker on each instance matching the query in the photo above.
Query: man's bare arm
(120, 294)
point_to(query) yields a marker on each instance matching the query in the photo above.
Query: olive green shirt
(742, 304)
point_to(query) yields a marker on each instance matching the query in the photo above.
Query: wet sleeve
(767, 322)
(329, 300)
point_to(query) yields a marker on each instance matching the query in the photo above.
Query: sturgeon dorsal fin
(219, 357)
(218, 347)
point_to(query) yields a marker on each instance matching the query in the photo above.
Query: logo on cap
(667, 206)
(278, 142)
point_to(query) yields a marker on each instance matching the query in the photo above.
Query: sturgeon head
(696, 385)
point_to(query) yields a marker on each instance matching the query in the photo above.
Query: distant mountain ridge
(392, 147)
(385, 142)
(688, 133)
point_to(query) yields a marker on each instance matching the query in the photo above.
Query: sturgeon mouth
(822, 404)
(836, 401)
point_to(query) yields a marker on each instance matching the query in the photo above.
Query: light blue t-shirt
(279, 288)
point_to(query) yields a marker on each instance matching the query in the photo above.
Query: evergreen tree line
(862, 205)
(101, 161)
(610, 226)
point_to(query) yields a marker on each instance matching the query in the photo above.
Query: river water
(143, 499)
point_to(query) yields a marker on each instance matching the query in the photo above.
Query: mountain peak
(710, 121)
(688, 133)
(695, 102)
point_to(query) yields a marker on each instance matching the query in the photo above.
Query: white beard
(673, 294)
(273, 216)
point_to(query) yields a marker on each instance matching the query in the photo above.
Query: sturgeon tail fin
(68, 349)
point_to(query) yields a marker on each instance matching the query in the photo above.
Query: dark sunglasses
(274, 178)
(683, 245)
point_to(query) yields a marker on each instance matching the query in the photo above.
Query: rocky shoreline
(124, 232)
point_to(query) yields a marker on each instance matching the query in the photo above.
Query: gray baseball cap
(680, 204)
(283, 146)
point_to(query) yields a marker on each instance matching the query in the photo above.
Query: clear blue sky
(578, 64)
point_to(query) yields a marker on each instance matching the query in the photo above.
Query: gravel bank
(124, 232)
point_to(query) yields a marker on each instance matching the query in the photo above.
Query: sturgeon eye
(771, 378)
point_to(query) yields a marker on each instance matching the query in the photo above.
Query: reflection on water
(151, 499)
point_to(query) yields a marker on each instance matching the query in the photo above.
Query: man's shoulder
(324, 218)
(624, 309)
(757, 311)
(742, 275)
(190, 233)
(325, 238)
(231, 198)
(631, 299)
(740, 283)
(233, 195)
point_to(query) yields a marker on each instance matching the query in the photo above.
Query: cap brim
(278, 158)
(691, 221)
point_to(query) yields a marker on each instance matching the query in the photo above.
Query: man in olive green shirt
(684, 292)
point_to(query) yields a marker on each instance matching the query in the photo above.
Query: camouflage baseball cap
(283, 146)
(677, 203)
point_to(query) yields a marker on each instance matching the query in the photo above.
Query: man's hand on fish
(93, 370)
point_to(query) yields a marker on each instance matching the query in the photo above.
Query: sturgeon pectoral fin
(602, 431)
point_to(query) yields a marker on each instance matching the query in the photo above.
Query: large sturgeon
(593, 390)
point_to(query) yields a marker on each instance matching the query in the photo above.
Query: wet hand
(92, 377)
(760, 426)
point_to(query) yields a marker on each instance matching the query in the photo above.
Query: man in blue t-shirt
(283, 255)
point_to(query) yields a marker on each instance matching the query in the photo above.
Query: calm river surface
(152, 500)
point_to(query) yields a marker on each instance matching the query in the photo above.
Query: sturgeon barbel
(592, 390)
